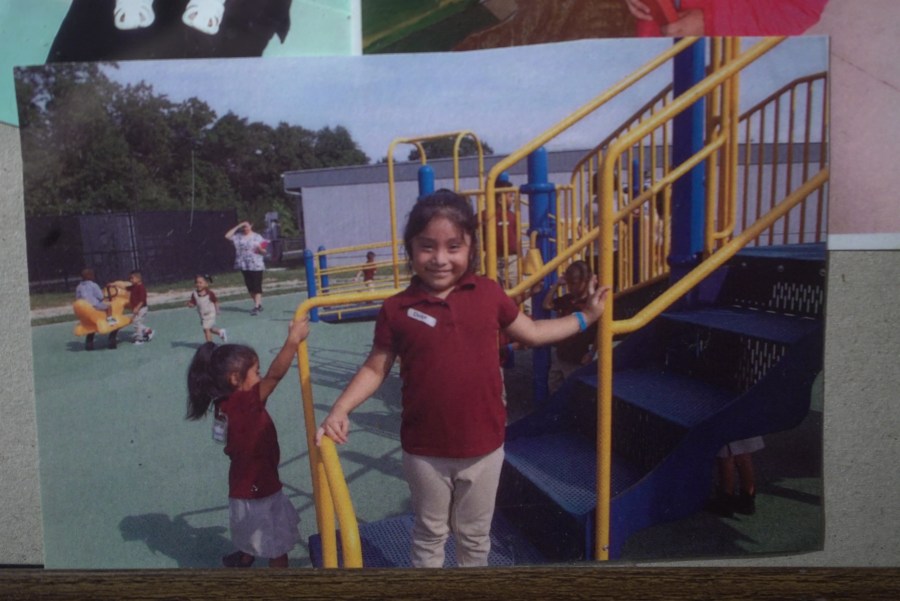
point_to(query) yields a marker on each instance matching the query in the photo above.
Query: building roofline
(559, 161)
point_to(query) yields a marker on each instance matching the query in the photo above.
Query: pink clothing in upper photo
(748, 17)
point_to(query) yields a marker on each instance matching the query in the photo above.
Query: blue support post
(688, 208)
(426, 180)
(323, 265)
(310, 265)
(541, 202)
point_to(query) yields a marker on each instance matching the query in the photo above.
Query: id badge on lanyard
(220, 427)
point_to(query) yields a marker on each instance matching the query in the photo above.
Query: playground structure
(718, 294)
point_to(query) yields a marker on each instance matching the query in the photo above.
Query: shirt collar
(415, 293)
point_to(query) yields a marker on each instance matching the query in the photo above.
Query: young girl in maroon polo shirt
(263, 520)
(444, 328)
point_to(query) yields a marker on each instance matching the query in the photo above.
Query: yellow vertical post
(604, 374)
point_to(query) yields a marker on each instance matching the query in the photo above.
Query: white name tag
(423, 317)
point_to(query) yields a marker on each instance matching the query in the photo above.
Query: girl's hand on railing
(336, 427)
(596, 302)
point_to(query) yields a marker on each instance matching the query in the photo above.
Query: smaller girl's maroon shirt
(252, 446)
(449, 364)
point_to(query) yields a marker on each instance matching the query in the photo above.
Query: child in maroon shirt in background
(263, 520)
(444, 329)
(138, 303)
(575, 351)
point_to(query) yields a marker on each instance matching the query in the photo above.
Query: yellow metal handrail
(490, 241)
(330, 490)
(800, 90)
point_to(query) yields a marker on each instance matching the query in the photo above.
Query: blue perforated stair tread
(675, 397)
(776, 327)
(386, 544)
(564, 467)
(804, 252)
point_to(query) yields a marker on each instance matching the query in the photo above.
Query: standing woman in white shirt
(249, 250)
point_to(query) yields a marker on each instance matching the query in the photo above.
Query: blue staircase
(740, 362)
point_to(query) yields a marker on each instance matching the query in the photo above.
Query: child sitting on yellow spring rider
(100, 313)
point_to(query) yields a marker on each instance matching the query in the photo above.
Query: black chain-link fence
(165, 245)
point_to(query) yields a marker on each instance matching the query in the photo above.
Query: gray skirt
(265, 527)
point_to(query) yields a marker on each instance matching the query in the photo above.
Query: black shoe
(238, 559)
(745, 503)
(722, 505)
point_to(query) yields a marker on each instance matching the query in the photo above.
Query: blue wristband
(582, 324)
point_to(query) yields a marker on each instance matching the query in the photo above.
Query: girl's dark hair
(207, 376)
(581, 267)
(450, 205)
(205, 276)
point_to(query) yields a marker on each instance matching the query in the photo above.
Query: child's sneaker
(138, 341)
(223, 335)
(148, 335)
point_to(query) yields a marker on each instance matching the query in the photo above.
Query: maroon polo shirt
(252, 446)
(137, 294)
(449, 364)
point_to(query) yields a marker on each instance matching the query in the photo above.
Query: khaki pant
(455, 495)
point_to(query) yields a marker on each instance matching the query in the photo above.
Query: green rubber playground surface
(127, 482)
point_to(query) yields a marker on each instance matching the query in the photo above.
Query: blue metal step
(566, 468)
(814, 251)
(675, 397)
(776, 327)
(386, 544)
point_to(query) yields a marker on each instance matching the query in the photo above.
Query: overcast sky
(506, 96)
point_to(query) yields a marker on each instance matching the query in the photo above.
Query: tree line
(93, 145)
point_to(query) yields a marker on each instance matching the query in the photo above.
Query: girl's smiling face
(440, 255)
(201, 283)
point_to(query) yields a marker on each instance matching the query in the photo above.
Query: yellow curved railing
(719, 153)
(330, 491)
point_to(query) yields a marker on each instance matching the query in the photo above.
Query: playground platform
(128, 483)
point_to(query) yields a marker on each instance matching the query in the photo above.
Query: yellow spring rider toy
(93, 321)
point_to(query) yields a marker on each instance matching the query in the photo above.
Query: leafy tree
(92, 145)
(442, 148)
(335, 148)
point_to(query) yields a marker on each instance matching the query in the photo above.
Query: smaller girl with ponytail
(226, 378)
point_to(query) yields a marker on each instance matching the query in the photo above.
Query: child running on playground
(226, 379)
(207, 306)
(444, 328)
